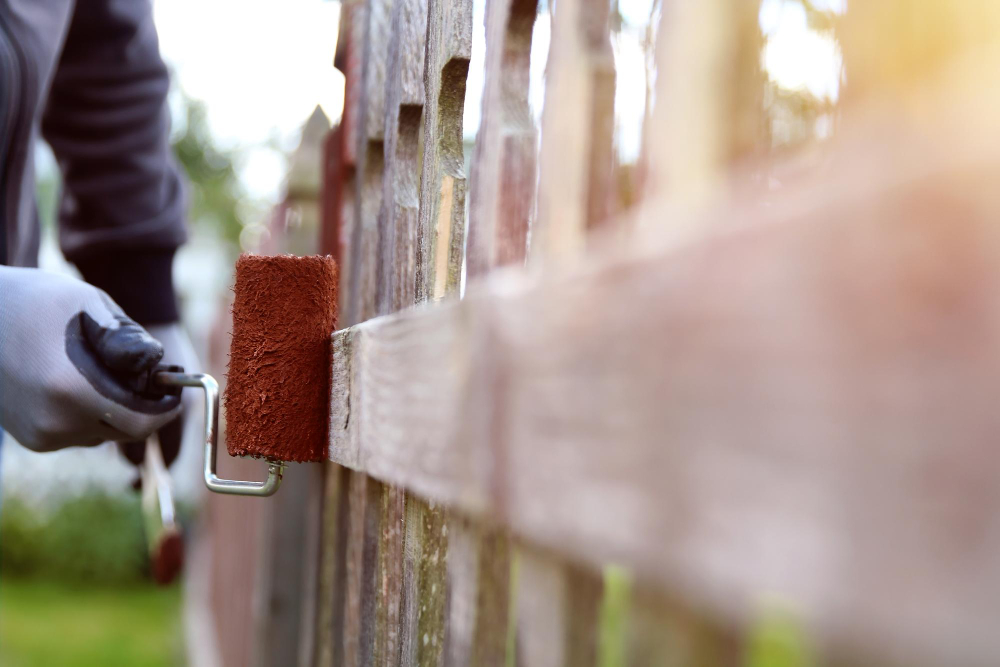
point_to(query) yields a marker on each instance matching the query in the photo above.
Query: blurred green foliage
(613, 623)
(96, 538)
(779, 639)
(215, 189)
(46, 623)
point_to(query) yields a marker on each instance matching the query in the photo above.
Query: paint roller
(278, 390)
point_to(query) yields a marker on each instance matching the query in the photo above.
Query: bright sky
(262, 66)
(796, 57)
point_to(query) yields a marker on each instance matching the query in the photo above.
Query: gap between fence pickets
(801, 408)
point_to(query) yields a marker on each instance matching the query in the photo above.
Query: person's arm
(122, 210)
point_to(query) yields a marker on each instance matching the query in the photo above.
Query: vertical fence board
(404, 95)
(462, 571)
(502, 191)
(365, 512)
(661, 632)
(489, 640)
(541, 610)
(709, 96)
(370, 162)
(558, 611)
(392, 266)
(502, 198)
(329, 649)
(443, 186)
(364, 507)
(575, 187)
(349, 60)
(432, 586)
(584, 590)
(389, 580)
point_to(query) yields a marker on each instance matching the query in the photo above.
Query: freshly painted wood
(797, 403)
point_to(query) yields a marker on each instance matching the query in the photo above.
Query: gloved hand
(66, 354)
(177, 351)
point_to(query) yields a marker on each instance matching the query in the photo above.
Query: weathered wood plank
(441, 230)
(439, 251)
(489, 638)
(349, 59)
(502, 189)
(370, 161)
(404, 95)
(584, 589)
(575, 188)
(709, 97)
(389, 578)
(558, 611)
(798, 406)
(462, 572)
(660, 631)
(541, 610)
(394, 271)
(329, 648)
(364, 509)
(424, 584)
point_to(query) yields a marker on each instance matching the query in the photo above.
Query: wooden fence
(730, 406)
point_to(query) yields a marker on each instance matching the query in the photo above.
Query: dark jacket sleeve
(122, 210)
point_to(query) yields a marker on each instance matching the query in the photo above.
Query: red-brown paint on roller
(278, 392)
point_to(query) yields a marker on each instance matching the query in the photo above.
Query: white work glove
(188, 425)
(68, 356)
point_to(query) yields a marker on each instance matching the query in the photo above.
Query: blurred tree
(215, 190)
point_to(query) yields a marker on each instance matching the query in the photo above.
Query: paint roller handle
(170, 379)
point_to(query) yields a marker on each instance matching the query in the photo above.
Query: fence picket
(441, 232)
(575, 187)
(502, 189)
(709, 97)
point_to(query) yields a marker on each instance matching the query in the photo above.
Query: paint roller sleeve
(278, 391)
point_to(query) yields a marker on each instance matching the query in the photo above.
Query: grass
(44, 622)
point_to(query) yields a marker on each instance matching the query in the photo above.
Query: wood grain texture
(441, 227)
(393, 266)
(489, 635)
(502, 188)
(329, 649)
(349, 59)
(796, 404)
(362, 283)
(364, 508)
(439, 252)
(404, 102)
(575, 188)
(389, 578)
